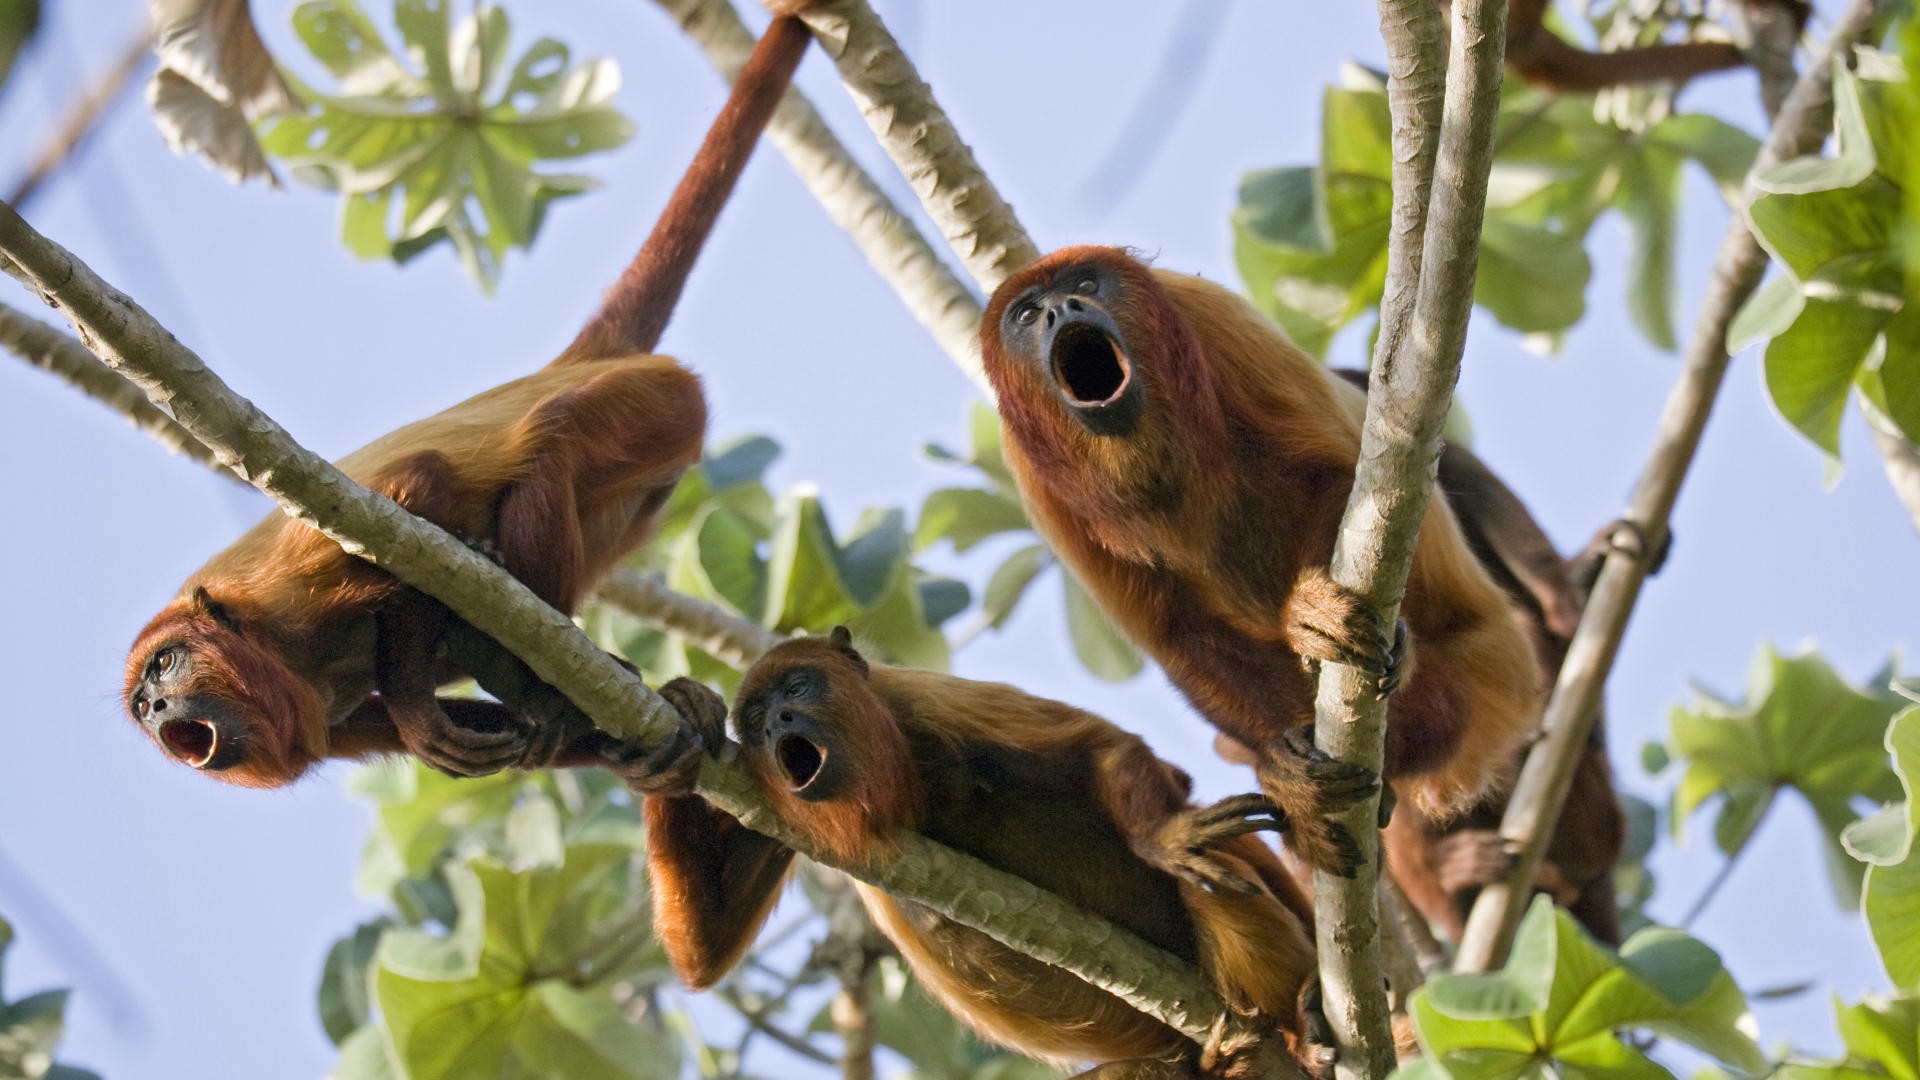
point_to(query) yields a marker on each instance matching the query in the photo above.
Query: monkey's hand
(1329, 622)
(1180, 845)
(429, 734)
(672, 767)
(1469, 860)
(1309, 787)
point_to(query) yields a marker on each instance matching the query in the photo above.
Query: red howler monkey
(1191, 465)
(1541, 57)
(284, 650)
(852, 754)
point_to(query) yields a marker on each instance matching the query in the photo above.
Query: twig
(730, 639)
(932, 293)
(758, 1020)
(1725, 872)
(1901, 459)
(82, 120)
(922, 142)
(1429, 293)
(59, 355)
(1011, 911)
(1542, 787)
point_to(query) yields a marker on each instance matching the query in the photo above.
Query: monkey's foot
(1626, 537)
(1333, 624)
(1318, 1048)
(673, 766)
(431, 735)
(1180, 845)
(1310, 788)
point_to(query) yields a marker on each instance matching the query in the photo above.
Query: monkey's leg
(406, 672)
(1141, 1069)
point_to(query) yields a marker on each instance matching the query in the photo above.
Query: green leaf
(1882, 1039)
(1801, 727)
(18, 21)
(1769, 311)
(1531, 278)
(30, 1030)
(345, 986)
(528, 984)
(1010, 581)
(365, 1056)
(1099, 646)
(1561, 1002)
(741, 461)
(1891, 891)
(453, 150)
(966, 516)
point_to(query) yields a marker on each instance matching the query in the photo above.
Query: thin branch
(904, 259)
(760, 1020)
(727, 637)
(1901, 458)
(1542, 787)
(57, 354)
(917, 135)
(1013, 912)
(1416, 362)
(1739, 845)
(83, 120)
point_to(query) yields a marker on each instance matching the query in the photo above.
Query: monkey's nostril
(1075, 305)
(1051, 316)
(159, 705)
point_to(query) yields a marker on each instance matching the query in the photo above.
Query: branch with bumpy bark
(727, 637)
(1424, 330)
(59, 355)
(922, 142)
(1541, 789)
(896, 250)
(375, 528)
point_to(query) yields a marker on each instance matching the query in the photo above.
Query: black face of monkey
(789, 720)
(193, 728)
(1067, 328)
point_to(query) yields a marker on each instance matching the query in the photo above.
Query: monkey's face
(213, 699)
(786, 720)
(1064, 328)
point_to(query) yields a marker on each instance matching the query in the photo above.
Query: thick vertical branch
(1412, 387)
(896, 250)
(246, 440)
(1542, 787)
(917, 135)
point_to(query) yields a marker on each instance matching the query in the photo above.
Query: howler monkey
(284, 650)
(852, 754)
(1191, 466)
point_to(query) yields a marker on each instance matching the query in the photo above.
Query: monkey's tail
(634, 312)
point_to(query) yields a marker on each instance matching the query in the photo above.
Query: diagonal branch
(917, 135)
(1542, 787)
(246, 440)
(727, 637)
(1423, 332)
(83, 119)
(896, 250)
(61, 356)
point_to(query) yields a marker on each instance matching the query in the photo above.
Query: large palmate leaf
(1840, 317)
(1882, 1037)
(1311, 241)
(442, 146)
(1559, 1007)
(537, 979)
(1890, 895)
(1801, 727)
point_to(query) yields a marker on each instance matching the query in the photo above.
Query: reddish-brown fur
(269, 657)
(1034, 787)
(1204, 529)
(1541, 57)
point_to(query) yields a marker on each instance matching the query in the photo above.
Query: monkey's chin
(803, 762)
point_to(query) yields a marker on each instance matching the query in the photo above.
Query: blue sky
(212, 908)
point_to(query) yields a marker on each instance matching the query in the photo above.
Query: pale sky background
(191, 918)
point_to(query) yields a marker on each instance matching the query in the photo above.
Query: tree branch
(83, 119)
(904, 259)
(727, 637)
(59, 355)
(246, 440)
(917, 135)
(1541, 789)
(1423, 332)
(1901, 458)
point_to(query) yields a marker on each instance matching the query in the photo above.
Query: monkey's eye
(140, 708)
(1025, 314)
(164, 662)
(1087, 285)
(798, 683)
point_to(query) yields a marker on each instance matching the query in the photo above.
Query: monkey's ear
(203, 601)
(842, 639)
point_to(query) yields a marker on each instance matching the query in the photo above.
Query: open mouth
(801, 759)
(1089, 367)
(191, 742)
